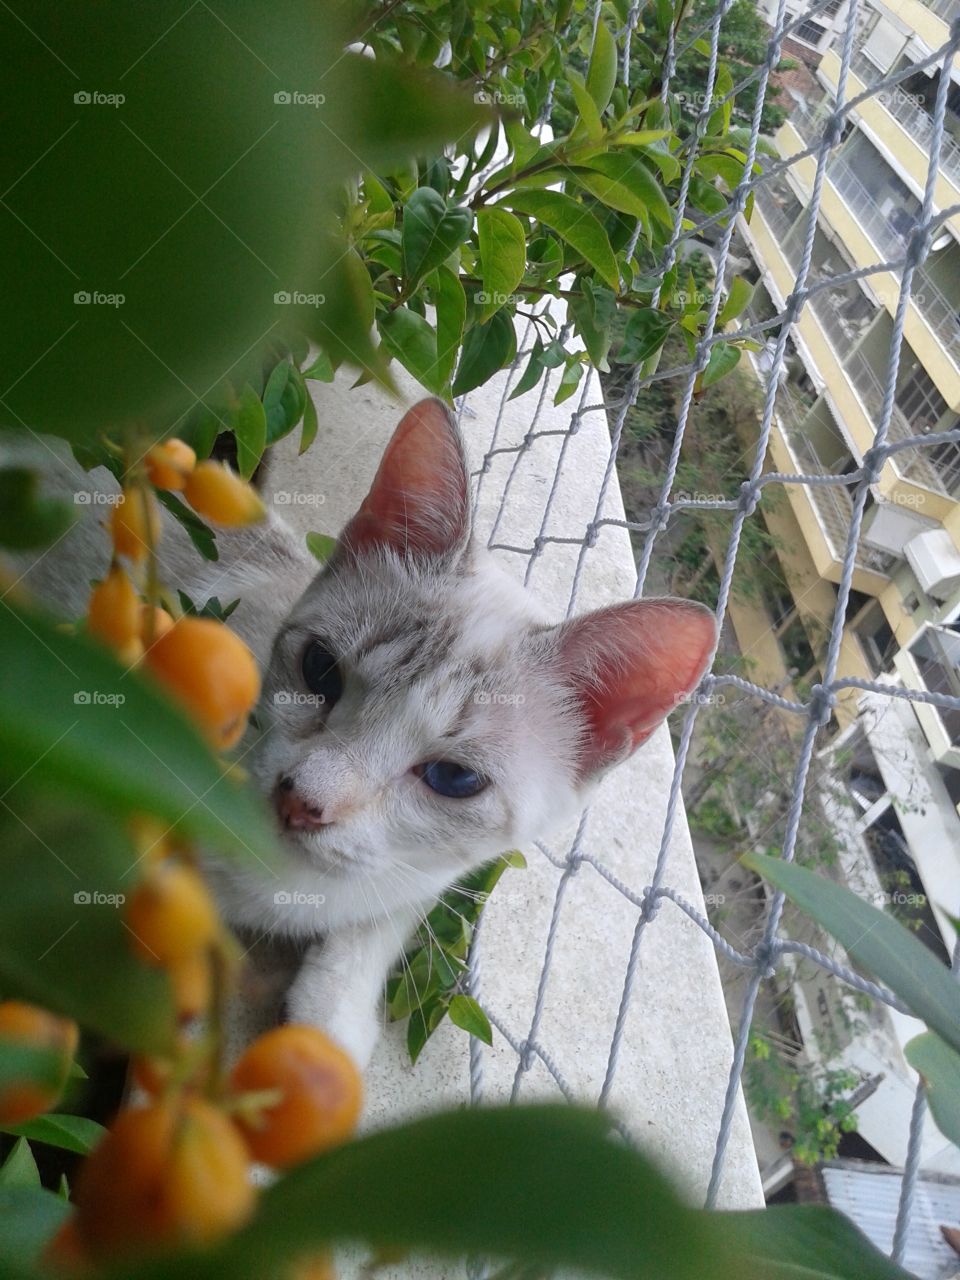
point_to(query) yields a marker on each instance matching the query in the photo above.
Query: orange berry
(135, 523)
(169, 463)
(171, 915)
(321, 1095)
(192, 985)
(212, 672)
(173, 1174)
(114, 612)
(27, 1025)
(162, 622)
(218, 494)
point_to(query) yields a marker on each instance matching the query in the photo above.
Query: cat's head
(422, 716)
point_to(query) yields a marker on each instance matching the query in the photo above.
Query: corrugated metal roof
(869, 1194)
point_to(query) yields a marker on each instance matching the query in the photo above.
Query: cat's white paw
(354, 1029)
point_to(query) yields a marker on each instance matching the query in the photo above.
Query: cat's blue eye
(321, 673)
(450, 779)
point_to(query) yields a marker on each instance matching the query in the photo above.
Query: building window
(810, 32)
(922, 404)
(832, 8)
(876, 638)
(946, 459)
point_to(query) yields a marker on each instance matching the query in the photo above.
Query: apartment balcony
(830, 505)
(872, 234)
(932, 665)
(896, 123)
(913, 465)
(826, 333)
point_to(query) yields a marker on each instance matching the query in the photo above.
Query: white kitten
(419, 715)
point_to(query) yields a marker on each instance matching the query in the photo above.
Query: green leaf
(321, 546)
(627, 174)
(724, 358)
(63, 941)
(532, 374)
(141, 754)
(602, 71)
(464, 1012)
(283, 401)
(26, 519)
(321, 370)
(645, 333)
(70, 1133)
(451, 307)
(20, 1169)
(589, 115)
(308, 432)
(486, 349)
(569, 381)
(575, 224)
(200, 289)
(503, 256)
(30, 1217)
(250, 430)
(200, 534)
(412, 341)
(799, 1242)
(736, 302)
(873, 940)
(548, 1186)
(939, 1066)
(431, 231)
(343, 326)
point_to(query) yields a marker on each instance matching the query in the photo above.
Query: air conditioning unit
(936, 562)
(888, 527)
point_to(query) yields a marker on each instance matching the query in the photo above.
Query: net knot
(873, 461)
(526, 1055)
(650, 903)
(833, 129)
(793, 305)
(749, 497)
(765, 959)
(822, 702)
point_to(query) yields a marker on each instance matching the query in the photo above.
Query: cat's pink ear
(418, 504)
(630, 665)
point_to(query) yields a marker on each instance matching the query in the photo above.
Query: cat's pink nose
(296, 813)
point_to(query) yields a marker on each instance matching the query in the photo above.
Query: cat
(419, 716)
